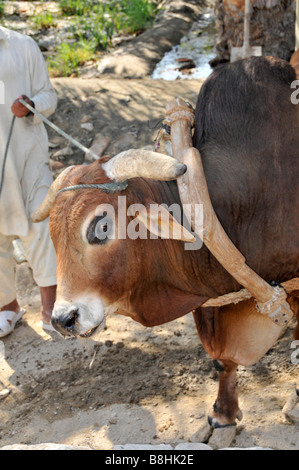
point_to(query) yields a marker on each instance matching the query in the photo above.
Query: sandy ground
(145, 385)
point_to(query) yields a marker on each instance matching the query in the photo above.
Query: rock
(53, 145)
(293, 414)
(246, 448)
(43, 447)
(113, 421)
(143, 447)
(88, 126)
(139, 57)
(193, 446)
(65, 152)
(291, 408)
(99, 145)
(85, 119)
(4, 393)
(203, 434)
(222, 437)
(29, 8)
(45, 44)
(185, 64)
(56, 165)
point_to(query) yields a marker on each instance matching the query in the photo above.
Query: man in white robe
(27, 177)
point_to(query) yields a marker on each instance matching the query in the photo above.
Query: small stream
(190, 59)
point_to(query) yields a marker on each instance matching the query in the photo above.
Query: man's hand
(19, 109)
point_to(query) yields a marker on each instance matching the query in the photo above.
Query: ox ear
(159, 222)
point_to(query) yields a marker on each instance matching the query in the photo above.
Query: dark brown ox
(247, 131)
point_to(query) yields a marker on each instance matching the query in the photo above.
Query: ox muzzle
(82, 317)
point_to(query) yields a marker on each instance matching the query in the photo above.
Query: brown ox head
(99, 264)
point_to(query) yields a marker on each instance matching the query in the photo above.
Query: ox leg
(226, 406)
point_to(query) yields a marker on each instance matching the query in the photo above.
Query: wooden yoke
(193, 190)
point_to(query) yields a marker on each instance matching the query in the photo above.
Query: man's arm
(43, 96)
(19, 109)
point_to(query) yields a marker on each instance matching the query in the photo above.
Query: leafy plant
(45, 20)
(69, 57)
(99, 26)
(138, 13)
(76, 7)
(93, 25)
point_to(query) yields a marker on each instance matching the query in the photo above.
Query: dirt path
(146, 385)
(127, 111)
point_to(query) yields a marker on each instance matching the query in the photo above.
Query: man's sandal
(8, 320)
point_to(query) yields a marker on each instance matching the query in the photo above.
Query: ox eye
(99, 230)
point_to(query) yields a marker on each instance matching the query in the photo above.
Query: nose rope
(59, 131)
(106, 187)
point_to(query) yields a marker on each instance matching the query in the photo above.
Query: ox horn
(44, 210)
(145, 164)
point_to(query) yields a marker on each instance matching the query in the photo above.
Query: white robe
(22, 72)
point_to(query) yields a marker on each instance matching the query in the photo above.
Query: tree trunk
(272, 27)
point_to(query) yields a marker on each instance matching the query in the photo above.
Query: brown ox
(247, 131)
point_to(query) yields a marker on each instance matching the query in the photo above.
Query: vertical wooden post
(297, 26)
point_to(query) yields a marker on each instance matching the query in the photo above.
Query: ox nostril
(69, 321)
(66, 321)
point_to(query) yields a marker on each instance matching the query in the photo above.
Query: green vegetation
(90, 26)
(138, 13)
(68, 58)
(93, 25)
(77, 7)
(45, 20)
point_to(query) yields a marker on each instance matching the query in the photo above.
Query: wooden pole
(193, 189)
(297, 26)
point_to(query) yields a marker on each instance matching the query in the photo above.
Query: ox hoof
(291, 408)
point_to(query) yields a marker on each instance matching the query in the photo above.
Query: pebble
(4, 393)
(56, 165)
(65, 152)
(293, 414)
(143, 447)
(193, 446)
(88, 126)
